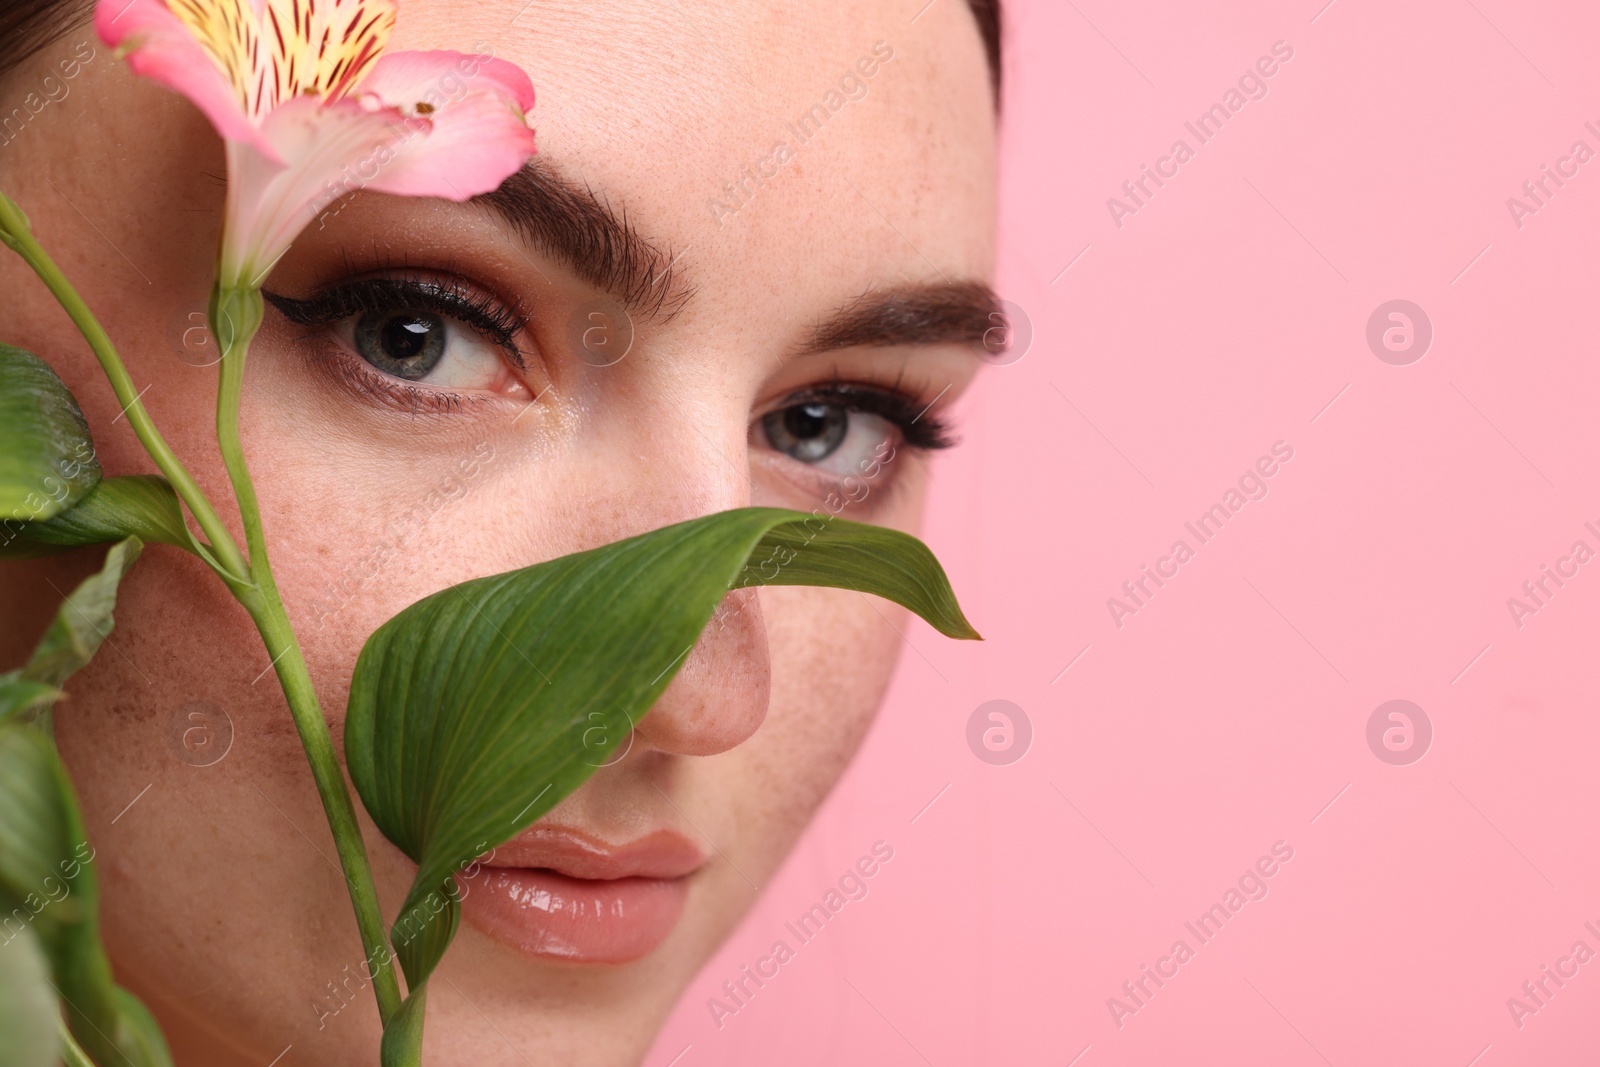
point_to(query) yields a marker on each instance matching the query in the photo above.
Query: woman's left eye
(420, 346)
(827, 435)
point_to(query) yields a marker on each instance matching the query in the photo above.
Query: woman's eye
(445, 334)
(828, 435)
(424, 347)
(405, 344)
(808, 432)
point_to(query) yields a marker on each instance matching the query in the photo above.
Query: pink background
(1227, 714)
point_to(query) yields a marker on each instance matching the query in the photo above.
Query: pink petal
(160, 47)
(402, 79)
(478, 136)
(318, 153)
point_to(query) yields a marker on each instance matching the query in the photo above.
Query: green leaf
(19, 696)
(47, 460)
(139, 505)
(41, 844)
(48, 888)
(83, 621)
(475, 710)
(402, 1037)
(47, 881)
(46, 884)
(28, 1012)
(72, 1054)
(139, 1036)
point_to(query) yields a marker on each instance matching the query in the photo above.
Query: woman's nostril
(719, 697)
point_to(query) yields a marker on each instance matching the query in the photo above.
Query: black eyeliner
(371, 295)
(909, 416)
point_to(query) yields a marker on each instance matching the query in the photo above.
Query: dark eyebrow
(559, 216)
(935, 313)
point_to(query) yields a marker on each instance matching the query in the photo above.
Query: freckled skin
(221, 906)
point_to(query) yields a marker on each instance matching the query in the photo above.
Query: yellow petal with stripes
(274, 50)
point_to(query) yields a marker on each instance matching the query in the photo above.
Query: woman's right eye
(443, 335)
(420, 346)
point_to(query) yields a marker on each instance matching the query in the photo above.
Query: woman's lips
(558, 892)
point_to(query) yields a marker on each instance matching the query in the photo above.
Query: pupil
(807, 421)
(404, 337)
(406, 344)
(810, 431)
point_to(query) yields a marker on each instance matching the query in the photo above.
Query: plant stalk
(235, 317)
(16, 233)
(72, 1054)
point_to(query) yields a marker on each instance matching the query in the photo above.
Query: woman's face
(780, 216)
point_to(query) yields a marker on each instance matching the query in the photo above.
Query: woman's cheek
(833, 653)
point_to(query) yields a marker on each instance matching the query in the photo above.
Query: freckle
(133, 712)
(424, 108)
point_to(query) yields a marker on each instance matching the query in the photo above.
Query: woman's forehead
(747, 135)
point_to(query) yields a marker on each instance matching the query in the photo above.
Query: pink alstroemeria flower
(310, 108)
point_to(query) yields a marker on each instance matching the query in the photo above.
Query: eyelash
(452, 298)
(918, 430)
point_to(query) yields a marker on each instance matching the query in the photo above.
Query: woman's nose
(719, 696)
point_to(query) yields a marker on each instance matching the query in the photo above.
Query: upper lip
(661, 854)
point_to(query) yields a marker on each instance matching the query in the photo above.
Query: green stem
(235, 316)
(71, 1054)
(272, 621)
(15, 232)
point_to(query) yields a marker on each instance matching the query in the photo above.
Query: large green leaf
(475, 710)
(139, 505)
(48, 886)
(42, 876)
(47, 460)
(28, 1011)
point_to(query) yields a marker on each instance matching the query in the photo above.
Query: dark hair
(987, 12)
(28, 25)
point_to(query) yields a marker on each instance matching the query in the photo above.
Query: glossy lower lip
(557, 893)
